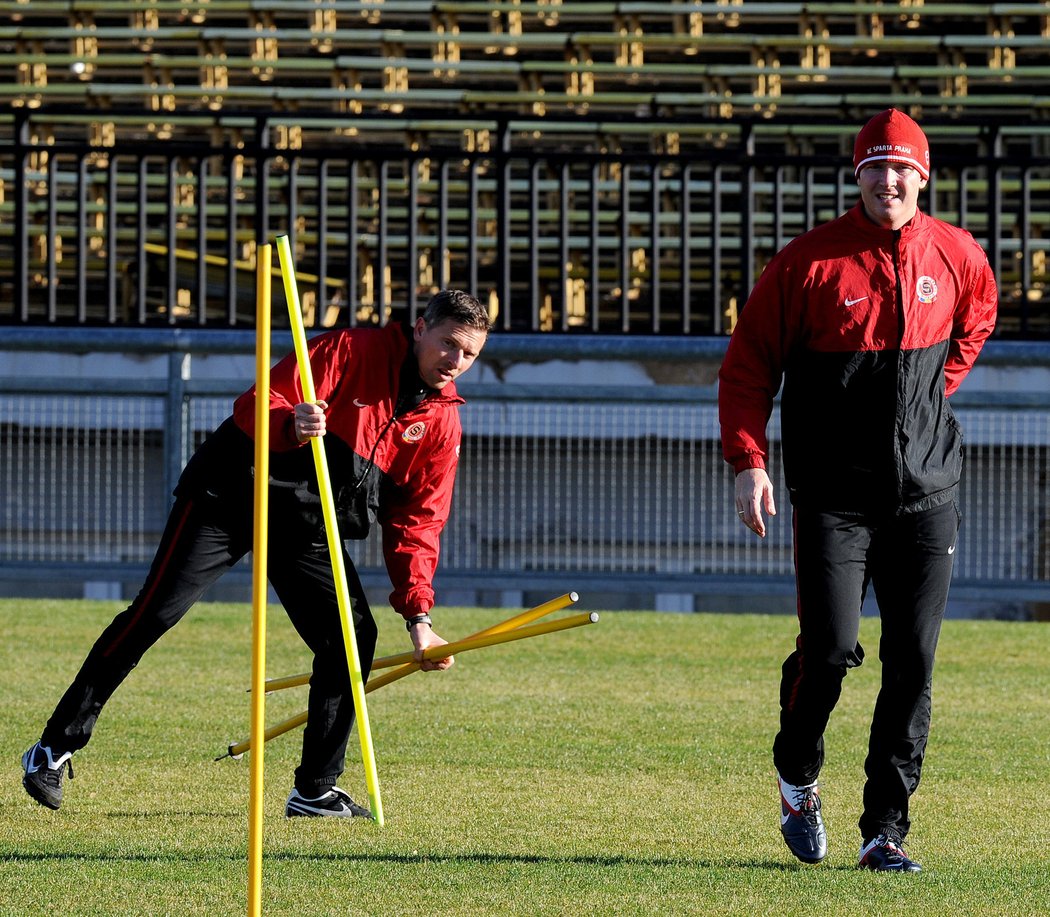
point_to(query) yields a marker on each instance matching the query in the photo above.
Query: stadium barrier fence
(616, 489)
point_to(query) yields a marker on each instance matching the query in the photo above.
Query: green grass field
(616, 769)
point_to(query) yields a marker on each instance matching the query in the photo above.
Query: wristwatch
(417, 619)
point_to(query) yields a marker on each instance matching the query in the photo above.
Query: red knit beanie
(892, 135)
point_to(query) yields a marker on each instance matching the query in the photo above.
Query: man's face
(890, 191)
(446, 350)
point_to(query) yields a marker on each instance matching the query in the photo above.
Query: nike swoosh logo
(358, 404)
(853, 302)
(951, 550)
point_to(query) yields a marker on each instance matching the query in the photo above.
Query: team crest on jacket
(415, 432)
(926, 289)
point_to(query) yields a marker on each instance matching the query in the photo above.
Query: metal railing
(155, 233)
(616, 488)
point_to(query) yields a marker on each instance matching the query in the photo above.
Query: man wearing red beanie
(871, 321)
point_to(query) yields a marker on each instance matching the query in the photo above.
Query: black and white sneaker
(801, 822)
(44, 774)
(885, 854)
(335, 802)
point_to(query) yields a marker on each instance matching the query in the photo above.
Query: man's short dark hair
(457, 306)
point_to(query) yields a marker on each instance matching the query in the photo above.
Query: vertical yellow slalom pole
(335, 546)
(260, 593)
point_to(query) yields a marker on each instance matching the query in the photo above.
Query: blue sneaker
(800, 821)
(885, 854)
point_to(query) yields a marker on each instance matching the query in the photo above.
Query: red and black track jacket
(870, 329)
(392, 447)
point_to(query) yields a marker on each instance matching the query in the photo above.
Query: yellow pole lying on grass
(509, 634)
(260, 591)
(335, 545)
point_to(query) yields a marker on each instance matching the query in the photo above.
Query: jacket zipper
(898, 407)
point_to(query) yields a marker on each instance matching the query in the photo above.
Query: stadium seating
(699, 79)
(721, 59)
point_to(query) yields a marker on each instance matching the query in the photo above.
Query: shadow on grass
(404, 859)
(518, 859)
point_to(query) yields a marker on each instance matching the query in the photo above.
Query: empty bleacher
(459, 116)
(676, 61)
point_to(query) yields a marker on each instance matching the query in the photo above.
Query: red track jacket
(392, 448)
(870, 329)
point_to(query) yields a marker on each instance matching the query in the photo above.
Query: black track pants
(203, 538)
(908, 561)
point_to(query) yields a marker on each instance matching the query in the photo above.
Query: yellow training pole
(517, 621)
(435, 652)
(491, 639)
(525, 617)
(239, 748)
(335, 545)
(533, 614)
(468, 643)
(510, 624)
(259, 587)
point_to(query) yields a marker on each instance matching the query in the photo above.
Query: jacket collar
(915, 227)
